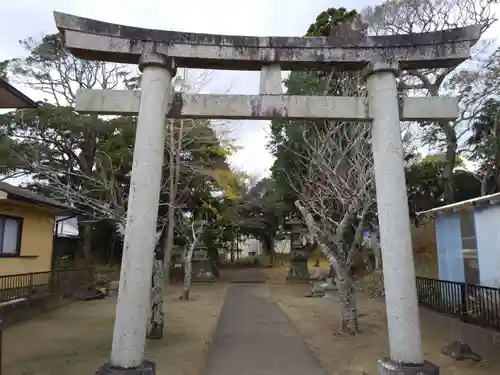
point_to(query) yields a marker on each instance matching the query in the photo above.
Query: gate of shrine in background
(158, 54)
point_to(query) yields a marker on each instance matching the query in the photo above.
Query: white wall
(487, 223)
(250, 245)
(66, 227)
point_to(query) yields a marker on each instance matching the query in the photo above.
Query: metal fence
(471, 303)
(24, 295)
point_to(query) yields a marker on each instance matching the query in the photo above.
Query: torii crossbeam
(263, 107)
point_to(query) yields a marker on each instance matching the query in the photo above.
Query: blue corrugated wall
(449, 247)
(487, 222)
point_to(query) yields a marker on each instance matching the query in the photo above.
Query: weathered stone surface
(298, 270)
(264, 107)
(202, 265)
(388, 367)
(96, 40)
(202, 270)
(147, 368)
(112, 289)
(299, 252)
(460, 351)
(318, 287)
(326, 289)
(270, 80)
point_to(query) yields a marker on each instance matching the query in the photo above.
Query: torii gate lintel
(263, 107)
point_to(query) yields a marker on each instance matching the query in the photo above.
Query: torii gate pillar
(393, 216)
(134, 296)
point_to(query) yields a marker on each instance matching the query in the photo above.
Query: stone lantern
(298, 252)
(202, 263)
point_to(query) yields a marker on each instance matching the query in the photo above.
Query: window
(10, 235)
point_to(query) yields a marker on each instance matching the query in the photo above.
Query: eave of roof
(459, 206)
(23, 195)
(12, 98)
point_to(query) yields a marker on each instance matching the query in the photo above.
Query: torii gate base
(146, 368)
(159, 52)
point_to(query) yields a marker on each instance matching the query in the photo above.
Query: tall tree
(335, 197)
(485, 146)
(287, 136)
(194, 169)
(72, 139)
(425, 187)
(261, 213)
(411, 16)
(3, 69)
(324, 167)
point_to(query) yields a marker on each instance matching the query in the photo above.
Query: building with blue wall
(468, 240)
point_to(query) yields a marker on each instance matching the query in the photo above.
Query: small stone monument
(323, 289)
(460, 351)
(202, 264)
(299, 255)
(112, 289)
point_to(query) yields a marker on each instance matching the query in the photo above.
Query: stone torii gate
(158, 53)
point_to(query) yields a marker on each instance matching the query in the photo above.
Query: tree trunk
(188, 264)
(450, 160)
(188, 271)
(343, 280)
(87, 243)
(86, 160)
(157, 321)
(346, 291)
(349, 308)
(168, 244)
(175, 148)
(377, 252)
(267, 244)
(366, 260)
(496, 132)
(485, 180)
(347, 298)
(163, 249)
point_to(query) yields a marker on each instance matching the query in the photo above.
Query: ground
(317, 320)
(76, 339)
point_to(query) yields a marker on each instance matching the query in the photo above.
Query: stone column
(270, 80)
(133, 305)
(393, 215)
(298, 253)
(202, 263)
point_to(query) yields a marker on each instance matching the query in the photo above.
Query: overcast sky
(21, 19)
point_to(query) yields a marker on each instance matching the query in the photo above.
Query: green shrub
(100, 281)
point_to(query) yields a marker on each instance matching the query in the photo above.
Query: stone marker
(112, 289)
(298, 270)
(158, 53)
(323, 289)
(460, 351)
(202, 264)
